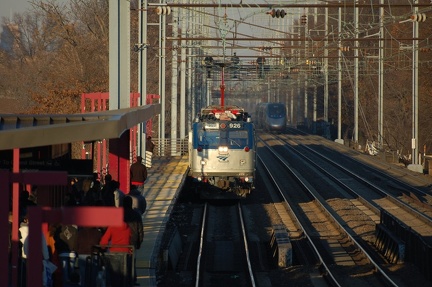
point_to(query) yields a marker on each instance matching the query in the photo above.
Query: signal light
(163, 10)
(277, 13)
(303, 19)
(246, 149)
(344, 48)
(208, 62)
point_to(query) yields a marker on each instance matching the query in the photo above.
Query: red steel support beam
(4, 225)
(15, 215)
(119, 164)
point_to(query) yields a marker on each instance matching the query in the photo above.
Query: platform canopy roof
(23, 131)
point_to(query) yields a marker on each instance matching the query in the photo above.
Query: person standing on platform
(48, 267)
(117, 239)
(139, 202)
(107, 191)
(149, 152)
(134, 220)
(118, 194)
(138, 174)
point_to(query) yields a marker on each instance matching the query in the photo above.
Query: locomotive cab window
(208, 138)
(238, 138)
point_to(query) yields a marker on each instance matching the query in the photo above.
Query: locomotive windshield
(214, 138)
(276, 111)
(238, 138)
(209, 138)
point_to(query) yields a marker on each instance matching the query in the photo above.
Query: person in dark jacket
(107, 191)
(139, 202)
(135, 223)
(138, 174)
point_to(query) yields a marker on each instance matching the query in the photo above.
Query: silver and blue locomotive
(222, 152)
(271, 117)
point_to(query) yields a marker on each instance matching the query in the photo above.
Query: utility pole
(162, 67)
(119, 54)
(339, 138)
(142, 70)
(381, 79)
(415, 148)
(174, 82)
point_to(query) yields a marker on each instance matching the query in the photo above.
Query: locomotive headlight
(203, 162)
(223, 149)
(246, 149)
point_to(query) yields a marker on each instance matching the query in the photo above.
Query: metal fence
(170, 147)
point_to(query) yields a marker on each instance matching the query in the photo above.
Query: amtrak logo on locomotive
(222, 158)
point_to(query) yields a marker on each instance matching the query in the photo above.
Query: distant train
(222, 153)
(271, 117)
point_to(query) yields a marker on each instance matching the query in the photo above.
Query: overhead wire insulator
(420, 17)
(280, 13)
(276, 13)
(345, 48)
(163, 10)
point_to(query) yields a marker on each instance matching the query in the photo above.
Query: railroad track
(223, 256)
(331, 199)
(398, 174)
(372, 187)
(327, 250)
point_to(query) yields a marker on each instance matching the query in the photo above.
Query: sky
(9, 7)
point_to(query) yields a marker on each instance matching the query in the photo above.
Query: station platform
(165, 179)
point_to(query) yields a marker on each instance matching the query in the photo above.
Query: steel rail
(251, 275)
(198, 265)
